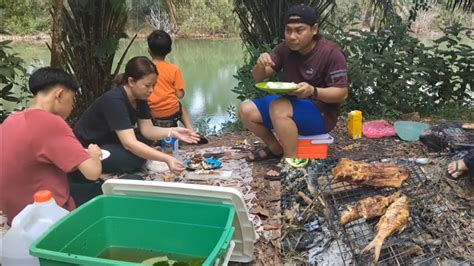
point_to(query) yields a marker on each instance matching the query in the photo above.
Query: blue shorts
(306, 114)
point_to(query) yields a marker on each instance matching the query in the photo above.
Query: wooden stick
(306, 199)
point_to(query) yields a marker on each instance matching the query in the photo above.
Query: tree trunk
(56, 33)
(172, 12)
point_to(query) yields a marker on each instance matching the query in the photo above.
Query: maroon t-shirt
(325, 66)
(37, 149)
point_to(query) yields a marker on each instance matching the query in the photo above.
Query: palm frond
(466, 5)
(92, 30)
(261, 22)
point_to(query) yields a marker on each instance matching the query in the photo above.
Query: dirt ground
(459, 193)
(268, 193)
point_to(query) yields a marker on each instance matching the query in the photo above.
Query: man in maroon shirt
(319, 69)
(38, 148)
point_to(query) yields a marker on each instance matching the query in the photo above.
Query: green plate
(263, 86)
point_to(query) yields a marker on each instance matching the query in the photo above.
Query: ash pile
(307, 238)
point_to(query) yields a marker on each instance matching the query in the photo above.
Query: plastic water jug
(29, 225)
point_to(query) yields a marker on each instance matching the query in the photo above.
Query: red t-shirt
(325, 66)
(37, 149)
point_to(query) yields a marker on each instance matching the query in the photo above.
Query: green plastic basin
(173, 227)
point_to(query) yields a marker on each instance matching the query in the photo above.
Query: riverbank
(44, 37)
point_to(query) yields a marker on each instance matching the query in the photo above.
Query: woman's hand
(303, 90)
(175, 165)
(184, 134)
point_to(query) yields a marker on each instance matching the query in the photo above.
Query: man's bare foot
(457, 168)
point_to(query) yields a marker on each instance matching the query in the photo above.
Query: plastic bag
(378, 129)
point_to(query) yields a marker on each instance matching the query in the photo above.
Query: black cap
(305, 13)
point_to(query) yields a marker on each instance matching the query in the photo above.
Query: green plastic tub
(154, 226)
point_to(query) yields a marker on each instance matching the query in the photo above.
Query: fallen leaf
(271, 226)
(351, 146)
(290, 214)
(260, 211)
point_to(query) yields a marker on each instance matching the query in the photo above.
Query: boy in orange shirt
(164, 103)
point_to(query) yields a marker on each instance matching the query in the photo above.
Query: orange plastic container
(314, 147)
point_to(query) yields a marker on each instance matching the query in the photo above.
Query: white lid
(244, 234)
(318, 139)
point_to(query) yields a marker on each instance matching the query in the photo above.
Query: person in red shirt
(319, 69)
(38, 147)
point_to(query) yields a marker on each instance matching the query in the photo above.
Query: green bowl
(410, 130)
(263, 86)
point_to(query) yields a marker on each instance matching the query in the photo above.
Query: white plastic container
(242, 245)
(29, 225)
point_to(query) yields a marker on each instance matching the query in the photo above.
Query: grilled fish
(367, 208)
(376, 174)
(395, 219)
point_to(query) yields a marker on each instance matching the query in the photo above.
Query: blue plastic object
(410, 130)
(214, 163)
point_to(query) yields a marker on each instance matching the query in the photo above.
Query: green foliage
(202, 126)
(392, 73)
(449, 68)
(193, 17)
(386, 8)
(245, 88)
(224, 10)
(447, 18)
(261, 29)
(204, 17)
(92, 30)
(263, 21)
(233, 124)
(12, 79)
(25, 16)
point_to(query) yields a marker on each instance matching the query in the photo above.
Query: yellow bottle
(354, 124)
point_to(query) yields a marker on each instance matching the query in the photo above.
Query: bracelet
(169, 133)
(314, 95)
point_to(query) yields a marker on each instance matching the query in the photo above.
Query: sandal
(257, 157)
(460, 172)
(273, 174)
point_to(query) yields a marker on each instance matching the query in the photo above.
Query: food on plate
(281, 85)
(207, 172)
(468, 126)
(367, 208)
(371, 174)
(394, 219)
(199, 162)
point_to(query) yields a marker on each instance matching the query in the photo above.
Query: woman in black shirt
(120, 118)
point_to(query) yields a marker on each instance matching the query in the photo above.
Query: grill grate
(404, 248)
